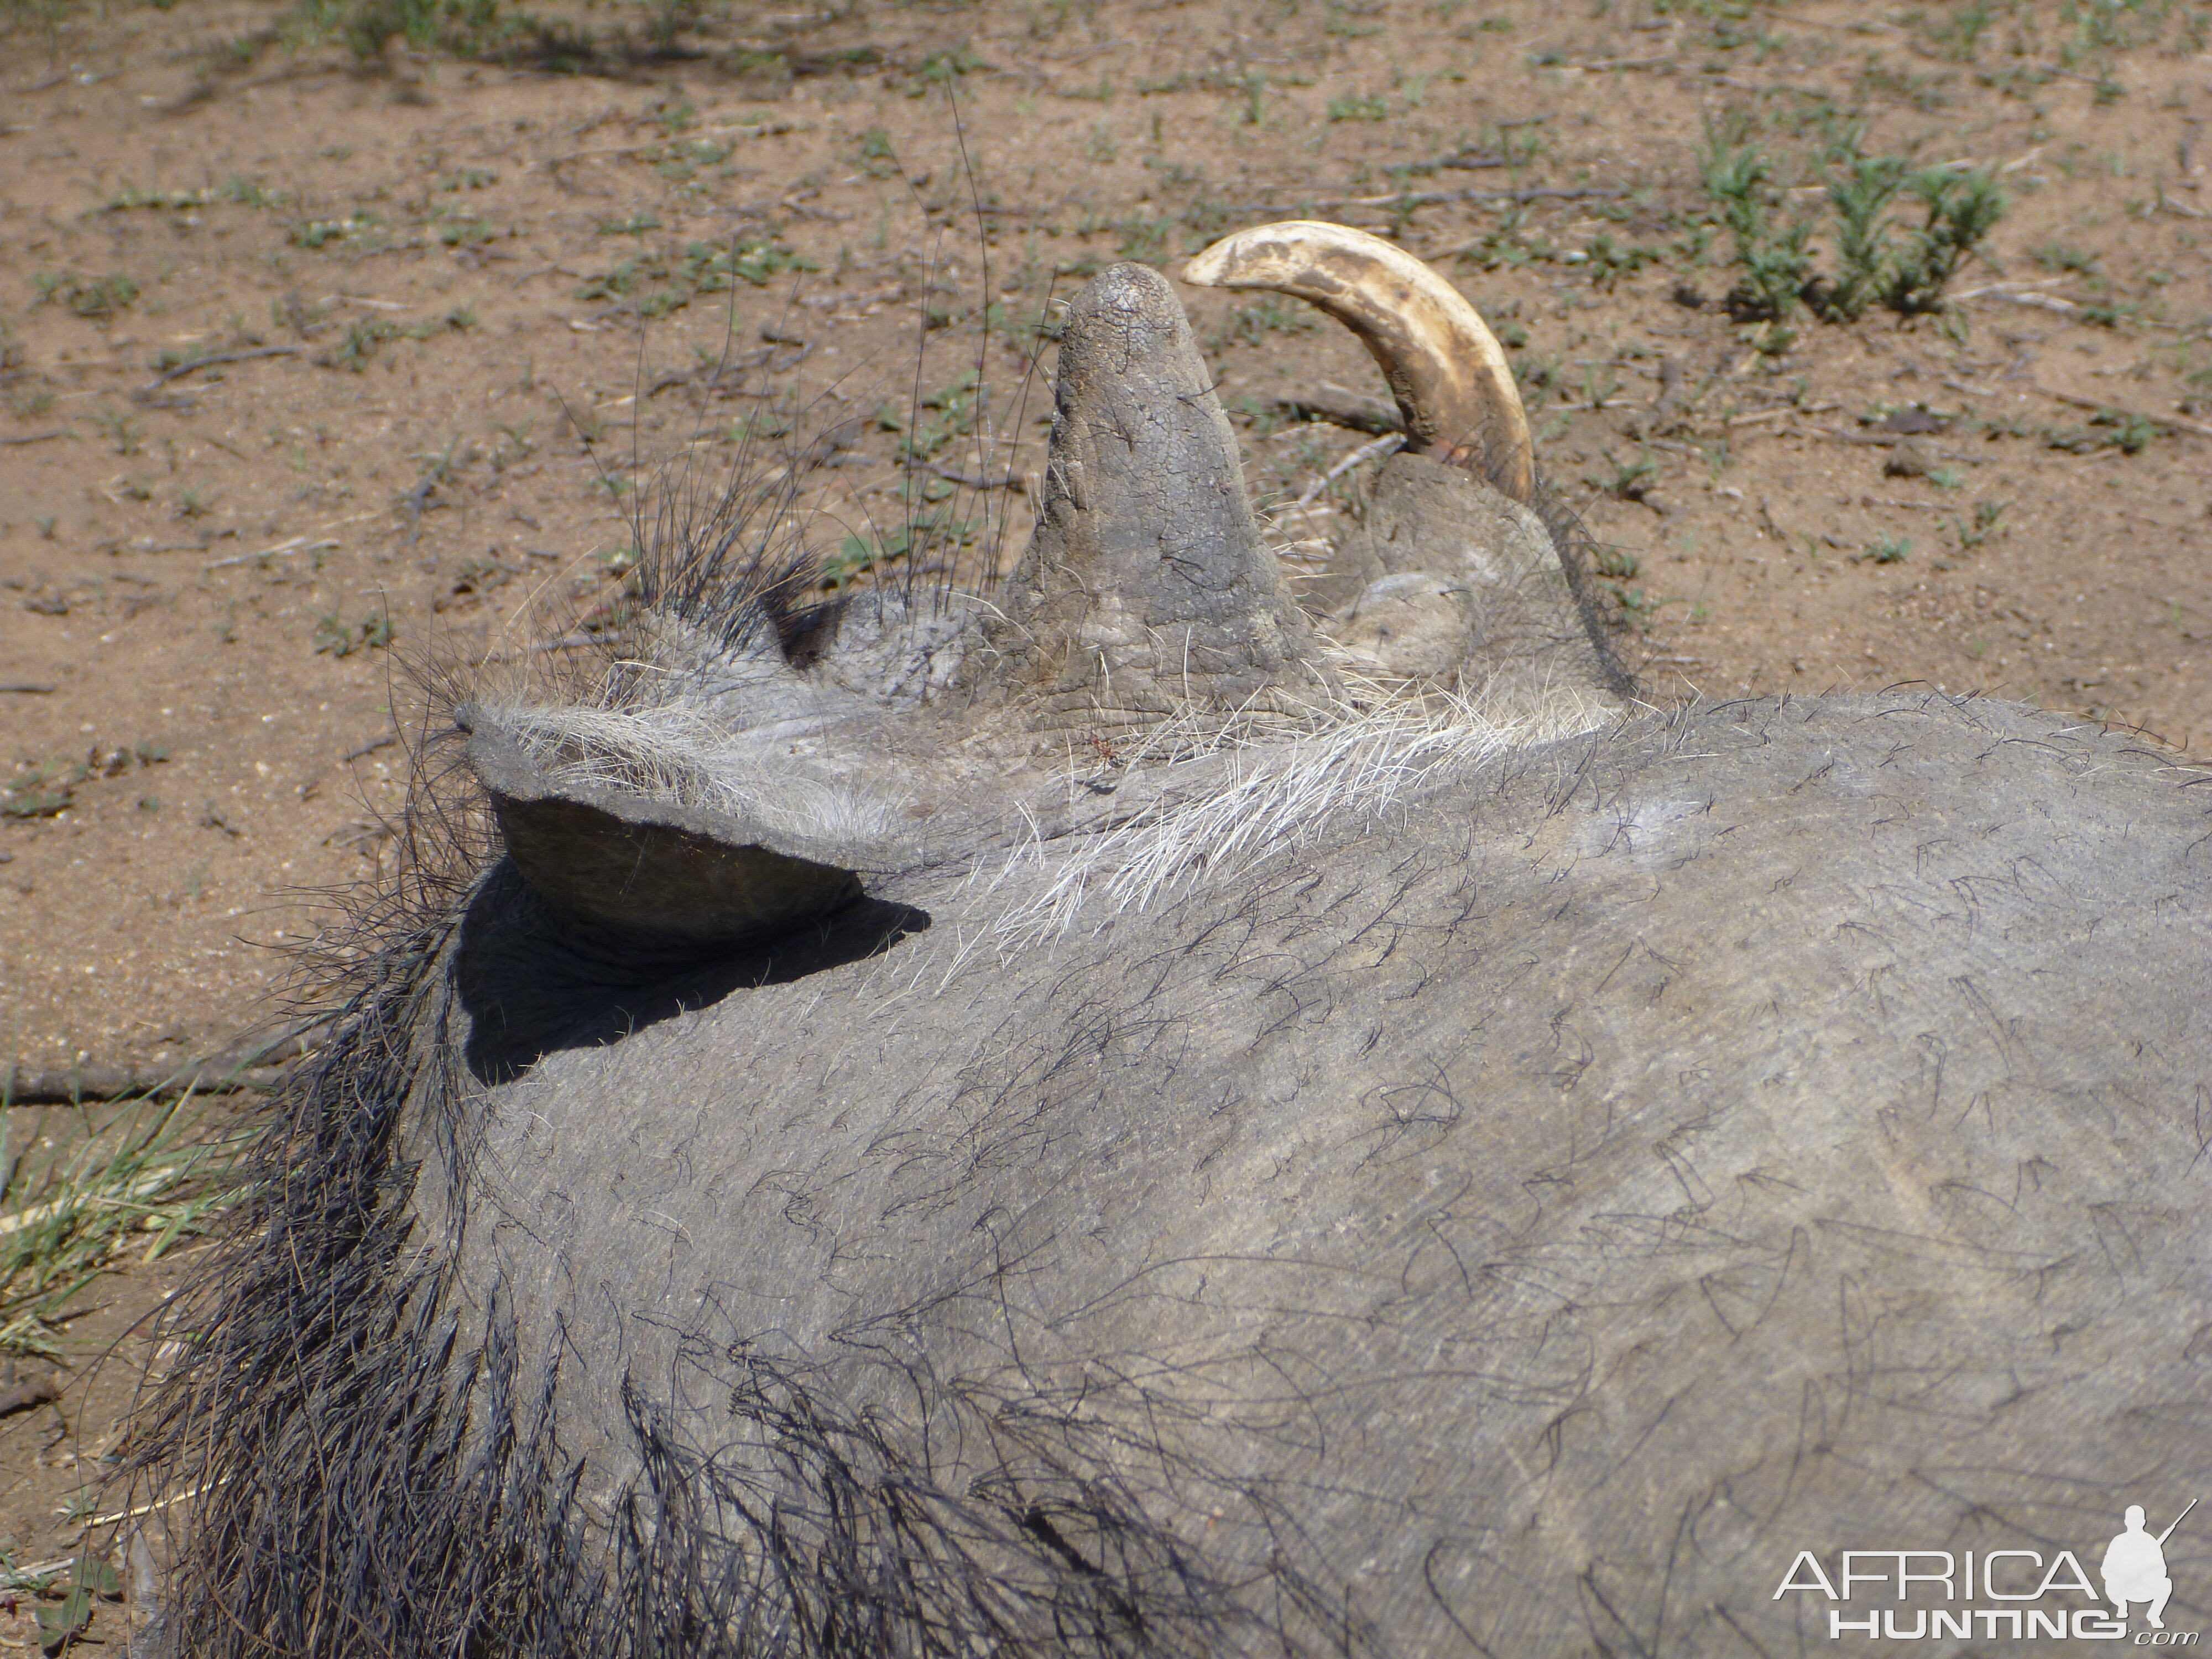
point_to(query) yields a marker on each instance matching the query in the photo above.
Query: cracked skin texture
(1147, 587)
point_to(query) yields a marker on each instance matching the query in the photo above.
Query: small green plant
(2061, 258)
(1860, 195)
(760, 427)
(2112, 314)
(1986, 514)
(1147, 239)
(313, 233)
(1355, 107)
(59, 1625)
(334, 639)
(444, 465)
(361, 342)
(466, 28)
(942, 529)
(1958, 33)
(1629, 480)
(1889, 550)
(1962, 209)
(637, 224)
(945, 414)
(2108, 429)
(514, 444)
(877, 156)
(1776, 265)
(1637, 605)
(1254, 86)
(1610, 261)
(84, 295)
(462, 229)
(176, 201)
(1958, 209)
(123, 430)
(41, 792)
(363, 338)
(1250, 324)
(655, 285)
(249, 192)
(942, 69)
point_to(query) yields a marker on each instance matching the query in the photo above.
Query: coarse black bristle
(370, 1472)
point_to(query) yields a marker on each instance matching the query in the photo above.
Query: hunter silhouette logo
(2004, 1594)
(2134, 1567)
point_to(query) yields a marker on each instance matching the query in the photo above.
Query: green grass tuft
(63, 1224)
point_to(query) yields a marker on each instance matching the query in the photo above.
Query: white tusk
(1450, 375)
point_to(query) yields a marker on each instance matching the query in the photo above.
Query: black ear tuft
(805, 631)
(732, 567)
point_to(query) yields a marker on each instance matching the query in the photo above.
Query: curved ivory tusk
(1451, 380)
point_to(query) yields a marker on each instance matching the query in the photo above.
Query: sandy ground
(440, 405)
(457, 316)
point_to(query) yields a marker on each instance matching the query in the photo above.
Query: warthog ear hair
(1453, 384)
(1146, 588)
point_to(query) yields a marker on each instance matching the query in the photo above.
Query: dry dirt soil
(465, 306)
(318, 368)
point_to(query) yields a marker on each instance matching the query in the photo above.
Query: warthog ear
(1444, 566)
(1453, 384)
(652, 869)
(1146, 588)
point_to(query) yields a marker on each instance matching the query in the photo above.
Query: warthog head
(745, 765)
(1148, 1112)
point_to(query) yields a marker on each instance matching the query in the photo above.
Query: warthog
(1147, 1113)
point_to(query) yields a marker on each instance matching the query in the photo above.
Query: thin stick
(212, 358)
(1388, 443)
(2177, 424)
(297, 544)
(143, 1509)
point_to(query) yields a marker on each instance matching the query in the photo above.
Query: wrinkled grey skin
(1517, 1220)
(1445, 576)
(1780, 1128)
